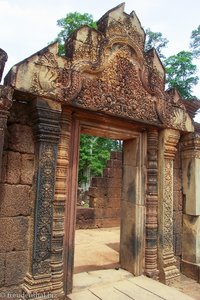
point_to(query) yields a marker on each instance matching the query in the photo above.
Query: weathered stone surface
(13, 167)
(19, 113)
(14, 234)
(4, 166)
(16, 267)
(3, 59)
(178, 222)
(21, 138)
(11, 292)
(177, 244)
(15, 200)
(2, 268)
(178, 200)
(191, 187)
(191, 239)
(27, 169)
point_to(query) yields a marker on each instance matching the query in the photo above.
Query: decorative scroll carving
(70, 84)
(151, 251)
(118, 91)
(59, 205)
(44, 79)
(47, 131)
(167, 147)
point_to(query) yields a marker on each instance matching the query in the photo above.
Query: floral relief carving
(168, 207)
(44, 210)
(118, 90)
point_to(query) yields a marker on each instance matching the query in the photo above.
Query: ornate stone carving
(45, 117)
(59, 205)
(45, 77)
(105, 70)
(151, 251)
(118, 91)
(45, 194)
(167, 149)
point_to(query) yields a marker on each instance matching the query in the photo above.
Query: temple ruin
(107, 86)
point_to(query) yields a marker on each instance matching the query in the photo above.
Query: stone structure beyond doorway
(104, 197)
(106, 85)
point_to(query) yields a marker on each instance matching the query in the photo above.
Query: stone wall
(16, 201)
(177, 207)
(105, 197)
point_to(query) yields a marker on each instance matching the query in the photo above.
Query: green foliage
(195, 42)
(180, 72)
(69, 24)
(94, 152)
(155, 40)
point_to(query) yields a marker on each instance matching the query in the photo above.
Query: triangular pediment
(104, 70)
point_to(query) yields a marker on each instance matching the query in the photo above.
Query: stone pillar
(71, 205)
(132, 238)
(191, 217)
(62, 171)
(46, 118)
(151, 247)
(5, 104)
(167, 149)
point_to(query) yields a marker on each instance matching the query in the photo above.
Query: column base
(169, 275)
(39, 287)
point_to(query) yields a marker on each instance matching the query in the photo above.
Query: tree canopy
(155, 40)
(180, 69)
(180, 73)
(69, 24)
(195, 42)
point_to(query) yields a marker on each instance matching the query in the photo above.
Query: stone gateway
(105, 85)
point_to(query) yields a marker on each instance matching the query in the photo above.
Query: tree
(195, 42)
(69, 24)
(155, 40)
(94, 152)
(180, 73)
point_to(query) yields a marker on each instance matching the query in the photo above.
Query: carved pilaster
(5, 103)
(167, 149)
(151, 251)
(46, 117)
(59, 205)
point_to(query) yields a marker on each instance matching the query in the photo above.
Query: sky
(27, 26)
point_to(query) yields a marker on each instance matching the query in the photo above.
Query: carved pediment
(105, 70)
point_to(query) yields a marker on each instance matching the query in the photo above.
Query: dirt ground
(98, 249)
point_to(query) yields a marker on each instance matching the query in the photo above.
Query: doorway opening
(98, 211)
(132, 209)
